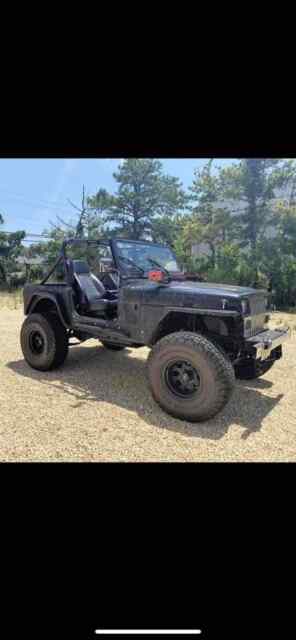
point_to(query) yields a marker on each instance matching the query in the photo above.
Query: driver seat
(93, 297)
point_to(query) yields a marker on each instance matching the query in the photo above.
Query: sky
(34, 191)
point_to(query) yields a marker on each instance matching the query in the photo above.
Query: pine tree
(143, 195)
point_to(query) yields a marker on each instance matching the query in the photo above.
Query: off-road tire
(55, 340)
(113, 347)
(214, 369)
(245, 372)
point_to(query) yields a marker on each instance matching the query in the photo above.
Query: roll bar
(77, 241)
(63, 255)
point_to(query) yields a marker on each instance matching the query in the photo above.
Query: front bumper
(266, 341)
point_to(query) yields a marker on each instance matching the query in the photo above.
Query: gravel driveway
(98, 408)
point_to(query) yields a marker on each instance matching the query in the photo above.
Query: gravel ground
(98, 408)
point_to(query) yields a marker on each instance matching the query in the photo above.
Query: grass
(281, 319)
(11, 300)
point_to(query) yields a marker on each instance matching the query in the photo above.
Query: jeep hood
(210, 288)
(200, 295)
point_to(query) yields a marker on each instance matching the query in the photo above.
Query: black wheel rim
(37, 343)
(182, 378)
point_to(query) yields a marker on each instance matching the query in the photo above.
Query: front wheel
(44, 341)
(189, 377)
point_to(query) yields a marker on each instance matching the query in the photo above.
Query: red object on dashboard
(156, 276)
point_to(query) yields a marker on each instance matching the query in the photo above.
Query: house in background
(23, 261)
(22, 265)
(26, 265)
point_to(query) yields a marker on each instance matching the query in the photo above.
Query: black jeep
(201, 335)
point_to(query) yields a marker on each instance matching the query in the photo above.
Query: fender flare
(38, 298)
(191, 311)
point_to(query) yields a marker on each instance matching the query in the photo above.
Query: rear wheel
(44, 341)
(189, 377)
(112, 347)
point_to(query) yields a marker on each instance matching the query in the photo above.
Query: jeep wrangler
(201, 335)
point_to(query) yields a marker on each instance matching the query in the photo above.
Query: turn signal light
(156, 276)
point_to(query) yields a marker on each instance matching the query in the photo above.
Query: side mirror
(158, 276)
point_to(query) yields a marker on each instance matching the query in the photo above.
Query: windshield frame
(128, 273)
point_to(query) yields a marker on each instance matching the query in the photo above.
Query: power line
(31, 241)
(35, 235)
(56, 206)
(39, 206)
(40, 200)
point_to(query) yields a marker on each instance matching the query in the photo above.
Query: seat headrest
(80, 266)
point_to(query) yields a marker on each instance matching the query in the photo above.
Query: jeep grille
(257, 318)
(257, 304)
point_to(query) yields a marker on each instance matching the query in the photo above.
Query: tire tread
(58, 340)
(224, 370)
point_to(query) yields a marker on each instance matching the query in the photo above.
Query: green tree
(253, 184)
(166, 229)
(210, 221)
(143, 194)
(10, 248)
(285, 225)
(279, 269)
(2, 253)
(85, 224)
(95, 217)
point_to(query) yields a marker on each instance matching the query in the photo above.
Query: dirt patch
(98, 407)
